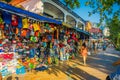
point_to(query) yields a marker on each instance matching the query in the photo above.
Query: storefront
(31, 42)
(26, 40)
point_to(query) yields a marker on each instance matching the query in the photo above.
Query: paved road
(104, 60)
(99, 65)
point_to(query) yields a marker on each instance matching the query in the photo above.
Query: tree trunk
(117, 42)
(114, 43)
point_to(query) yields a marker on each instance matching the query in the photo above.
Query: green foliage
(72, 3)
(118, 48)
(104, 8)
(114, 28)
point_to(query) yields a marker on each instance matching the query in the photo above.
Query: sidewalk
(73, 70)
(98, 67)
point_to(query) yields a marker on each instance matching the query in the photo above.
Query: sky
(83, 12)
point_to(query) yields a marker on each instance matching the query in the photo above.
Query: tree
(72, 3)
(104, 8)
(107, 13)
(114, 27)
(112, 17)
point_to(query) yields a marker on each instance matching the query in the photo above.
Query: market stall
(26, 40)
(29, 41)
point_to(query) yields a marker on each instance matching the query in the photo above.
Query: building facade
(57, 10)
(53, 9)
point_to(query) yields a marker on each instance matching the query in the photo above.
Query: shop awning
(79, 30)
(15, 2)
(12, 9)
(66, 25)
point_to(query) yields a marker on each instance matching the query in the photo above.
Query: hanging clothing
(25, 23)
(14, 21)
(31, 27)
(33, 39)
(7, 17)
(20, 23)
(38, 51)
(36, 27)
(24, 33)
(49, 37)
(1, 20)
(32, 53)
(17, 31)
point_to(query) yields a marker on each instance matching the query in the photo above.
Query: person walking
(104, 46)
(84, 52)
(94, 46)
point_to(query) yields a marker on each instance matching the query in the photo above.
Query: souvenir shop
(32, 42)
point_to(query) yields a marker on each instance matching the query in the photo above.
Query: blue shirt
(32, 53)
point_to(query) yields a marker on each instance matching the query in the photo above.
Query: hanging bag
(14, 21)
(24, 32)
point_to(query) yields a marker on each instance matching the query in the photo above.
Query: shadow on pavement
(103, 62)
(82, 75)
(65, 69)
(72, 73)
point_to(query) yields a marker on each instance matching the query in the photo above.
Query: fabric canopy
(35, 6)
(79, 30)
(66, 25)
(15, 2)
(7, 7)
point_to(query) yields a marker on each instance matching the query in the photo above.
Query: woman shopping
(84, 52)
